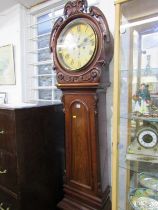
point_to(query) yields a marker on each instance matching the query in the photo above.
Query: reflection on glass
(45, 81)
(44, 17)
(44, 24)
(44, 55)
(45, 94)
(45, 69)
(57, 94)
(46, 74)
(43, 41)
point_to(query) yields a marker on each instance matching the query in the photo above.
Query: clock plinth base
(85, 203)
(68, 204)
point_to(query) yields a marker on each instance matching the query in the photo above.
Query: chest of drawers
(31, 157)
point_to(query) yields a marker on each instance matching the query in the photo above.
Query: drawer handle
(1, 207)
(2, 132)
(3, 172)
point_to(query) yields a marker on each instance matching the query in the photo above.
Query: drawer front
(7, 130)
(8, 171)
(7, 202)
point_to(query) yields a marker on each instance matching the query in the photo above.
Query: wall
(107, 7)
(11, 33)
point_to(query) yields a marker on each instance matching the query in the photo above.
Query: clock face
(147, 138)
(76, 44)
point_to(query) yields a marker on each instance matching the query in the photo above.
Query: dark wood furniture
(31, 157)
(84, 87)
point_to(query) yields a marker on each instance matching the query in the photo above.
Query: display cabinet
(135, 119)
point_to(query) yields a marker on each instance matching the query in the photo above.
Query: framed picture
(7, 71)
(3, 98)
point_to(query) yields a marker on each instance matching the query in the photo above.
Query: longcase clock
(82, 48)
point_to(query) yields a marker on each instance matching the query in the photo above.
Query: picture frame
(7, 70)
(3, 98)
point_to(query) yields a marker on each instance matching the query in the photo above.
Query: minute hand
(85, 42)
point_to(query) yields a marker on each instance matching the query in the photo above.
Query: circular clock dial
(147, 137)
(76, 45)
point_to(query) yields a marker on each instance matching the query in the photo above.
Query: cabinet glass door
(137, 143)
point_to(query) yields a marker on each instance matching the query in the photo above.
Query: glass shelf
(143, 118)
(133, 165)
(137, 116)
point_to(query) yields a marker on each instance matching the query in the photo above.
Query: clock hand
(84, 43)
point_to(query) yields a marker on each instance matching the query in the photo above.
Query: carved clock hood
(92, 73)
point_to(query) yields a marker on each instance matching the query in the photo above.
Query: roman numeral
(72, 62)
(79, 64)
(86, 28)
(91, 35)
(92, 42)
(91, 52)
(67, 56)
(78, 28)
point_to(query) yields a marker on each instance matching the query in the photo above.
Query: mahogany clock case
(86, 182)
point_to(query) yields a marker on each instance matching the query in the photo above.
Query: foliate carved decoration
(57, 24)
(74, 7)
(97, 13)
(96, 99)
(91, 76)
(60, 76)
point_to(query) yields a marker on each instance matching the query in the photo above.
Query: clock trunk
(86, 185)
